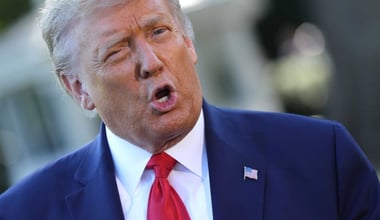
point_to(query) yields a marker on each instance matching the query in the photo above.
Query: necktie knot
(162, 164)
(164, 202)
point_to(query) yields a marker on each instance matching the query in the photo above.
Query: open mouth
(163, 94)
(164, 99)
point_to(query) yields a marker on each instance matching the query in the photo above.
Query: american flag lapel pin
(250, 173)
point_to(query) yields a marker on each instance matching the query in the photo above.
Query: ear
(73, 85)
(190, 46)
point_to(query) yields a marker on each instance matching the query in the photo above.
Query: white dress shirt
(189, 177)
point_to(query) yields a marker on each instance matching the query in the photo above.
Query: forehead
(126, 12)
(122, 17)
(118, 16)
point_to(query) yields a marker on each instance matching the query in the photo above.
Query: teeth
(163, 99)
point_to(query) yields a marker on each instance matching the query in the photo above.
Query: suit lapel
(229, 150)
(96, 195)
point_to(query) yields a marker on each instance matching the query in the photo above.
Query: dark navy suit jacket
(308, 169)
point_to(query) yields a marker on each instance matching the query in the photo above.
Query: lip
(163, 98)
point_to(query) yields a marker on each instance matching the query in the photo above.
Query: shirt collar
(130, 160)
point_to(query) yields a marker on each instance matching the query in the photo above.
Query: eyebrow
(146, 22)
(154, 20)
(123, 36)
(102, 48)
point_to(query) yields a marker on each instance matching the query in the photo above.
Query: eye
(112, 53)
(159, 31)
(116, 55)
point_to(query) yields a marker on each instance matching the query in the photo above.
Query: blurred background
(317, 58)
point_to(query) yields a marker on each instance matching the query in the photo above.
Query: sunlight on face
(138, 68)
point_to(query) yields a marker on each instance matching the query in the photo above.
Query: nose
(149, 62)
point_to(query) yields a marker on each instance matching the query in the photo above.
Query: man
(134, 62)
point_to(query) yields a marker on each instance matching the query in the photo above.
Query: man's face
(138, 70)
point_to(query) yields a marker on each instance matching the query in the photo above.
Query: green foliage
(11, 10)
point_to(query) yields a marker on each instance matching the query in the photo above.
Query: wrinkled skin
(137, 68)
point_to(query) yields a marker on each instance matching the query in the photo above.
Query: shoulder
(320, 151)
(259, 121)
(287, 138)
(45, 187)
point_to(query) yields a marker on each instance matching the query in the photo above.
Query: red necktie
(164, 202)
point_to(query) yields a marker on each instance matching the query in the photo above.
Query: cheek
(181, 59)
(107, 91)
(115, 78)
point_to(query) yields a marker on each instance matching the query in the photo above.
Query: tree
(11, 10)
